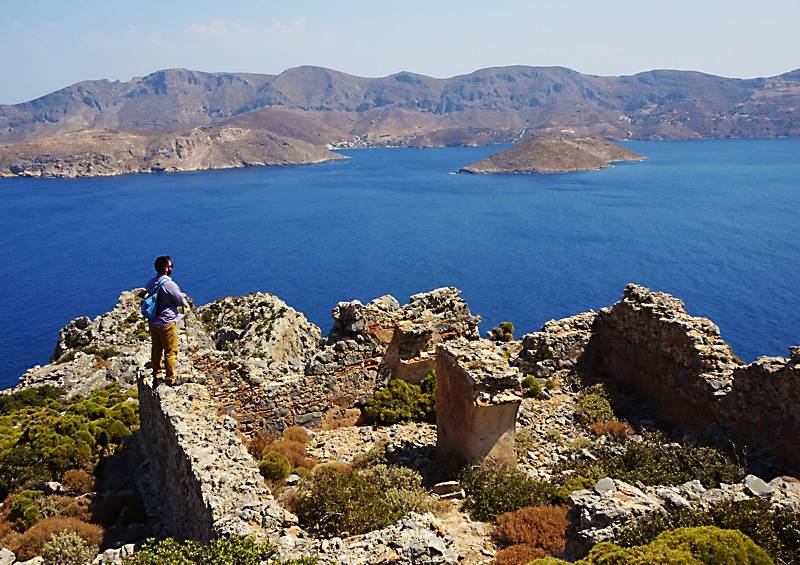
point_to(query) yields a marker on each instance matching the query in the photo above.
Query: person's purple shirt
(169, 298)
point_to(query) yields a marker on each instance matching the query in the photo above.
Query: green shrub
(43, 436)
(401, 402)
(502, 332)
(25, 508)
(705, 545)
(570, 485)
(274, 466)
(593, 406)
(776, 531)
(493, 490)
(531, 386)
(653, 462)
(235, 550)
(339, 502)
(551, 383)
(67, 548)
(29, 398)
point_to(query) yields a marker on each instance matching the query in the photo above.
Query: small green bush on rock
(402, 402)
(275, 466)
(593, 406)
(235, 550)
(493, 490)
(531, 386)
(692, 546)
(570, 485)
(67, 548)
(503, 332)
(339, 502)
(776, 531)
(25, 507)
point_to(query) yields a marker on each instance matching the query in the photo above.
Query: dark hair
(161, 264)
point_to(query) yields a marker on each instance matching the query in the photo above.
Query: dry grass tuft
(519, 554)
(78, 481)
(615, 429)
(338, 417)
(297, 434)
(541, 527)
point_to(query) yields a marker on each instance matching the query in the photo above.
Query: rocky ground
(260, 363)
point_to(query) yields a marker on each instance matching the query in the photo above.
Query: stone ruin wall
(345, 368)
(680, 365)
(206, 483)
(477, 398)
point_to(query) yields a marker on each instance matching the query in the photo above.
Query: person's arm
(174, 292)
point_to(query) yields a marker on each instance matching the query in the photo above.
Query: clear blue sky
(48, 44)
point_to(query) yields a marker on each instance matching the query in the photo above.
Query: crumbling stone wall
(677, 362)
(681, 366)
(207, 484)
(349, 365)
(763, 406)
(476, 403)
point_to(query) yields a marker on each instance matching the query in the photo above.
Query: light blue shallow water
(713, 222)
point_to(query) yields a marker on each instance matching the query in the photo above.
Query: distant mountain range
(325, 107)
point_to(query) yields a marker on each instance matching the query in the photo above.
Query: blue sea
(713, 222)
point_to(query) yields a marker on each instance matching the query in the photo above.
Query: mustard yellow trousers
(165, 344)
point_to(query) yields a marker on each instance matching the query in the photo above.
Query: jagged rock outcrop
(599, 514)
(260, 325)
(477, 398)
(110, 348)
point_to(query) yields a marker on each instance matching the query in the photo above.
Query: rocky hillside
(414, 109)
(111, 152)
(554, 155)
(623, 425)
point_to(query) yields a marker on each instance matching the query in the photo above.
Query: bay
(712, 222)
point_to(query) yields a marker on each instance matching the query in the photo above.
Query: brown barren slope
(554, 155)
(109, 152)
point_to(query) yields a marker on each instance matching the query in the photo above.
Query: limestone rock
(260, 325)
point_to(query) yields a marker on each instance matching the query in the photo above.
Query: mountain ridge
(176, 99)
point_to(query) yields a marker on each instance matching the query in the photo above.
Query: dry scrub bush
(338, 417)
(257, 445)
(78, 481)
(542, 527)
(518, 555)
(296, 433)
(616, 429)
(294, 451)
(30, 544)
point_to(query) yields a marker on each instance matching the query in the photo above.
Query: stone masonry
(208, 485)
(681, 367)
(476, 403)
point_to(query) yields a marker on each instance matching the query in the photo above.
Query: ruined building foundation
(476, 403)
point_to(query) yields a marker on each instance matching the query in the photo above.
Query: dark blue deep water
(713, 222)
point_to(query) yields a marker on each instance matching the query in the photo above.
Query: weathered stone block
(476, 403)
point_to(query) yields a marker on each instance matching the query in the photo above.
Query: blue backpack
(149, 307)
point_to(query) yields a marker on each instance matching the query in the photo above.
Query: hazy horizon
(44, 47)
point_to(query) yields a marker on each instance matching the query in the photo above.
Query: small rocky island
(554, 155)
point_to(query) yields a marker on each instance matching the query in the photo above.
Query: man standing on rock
(164, 327)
